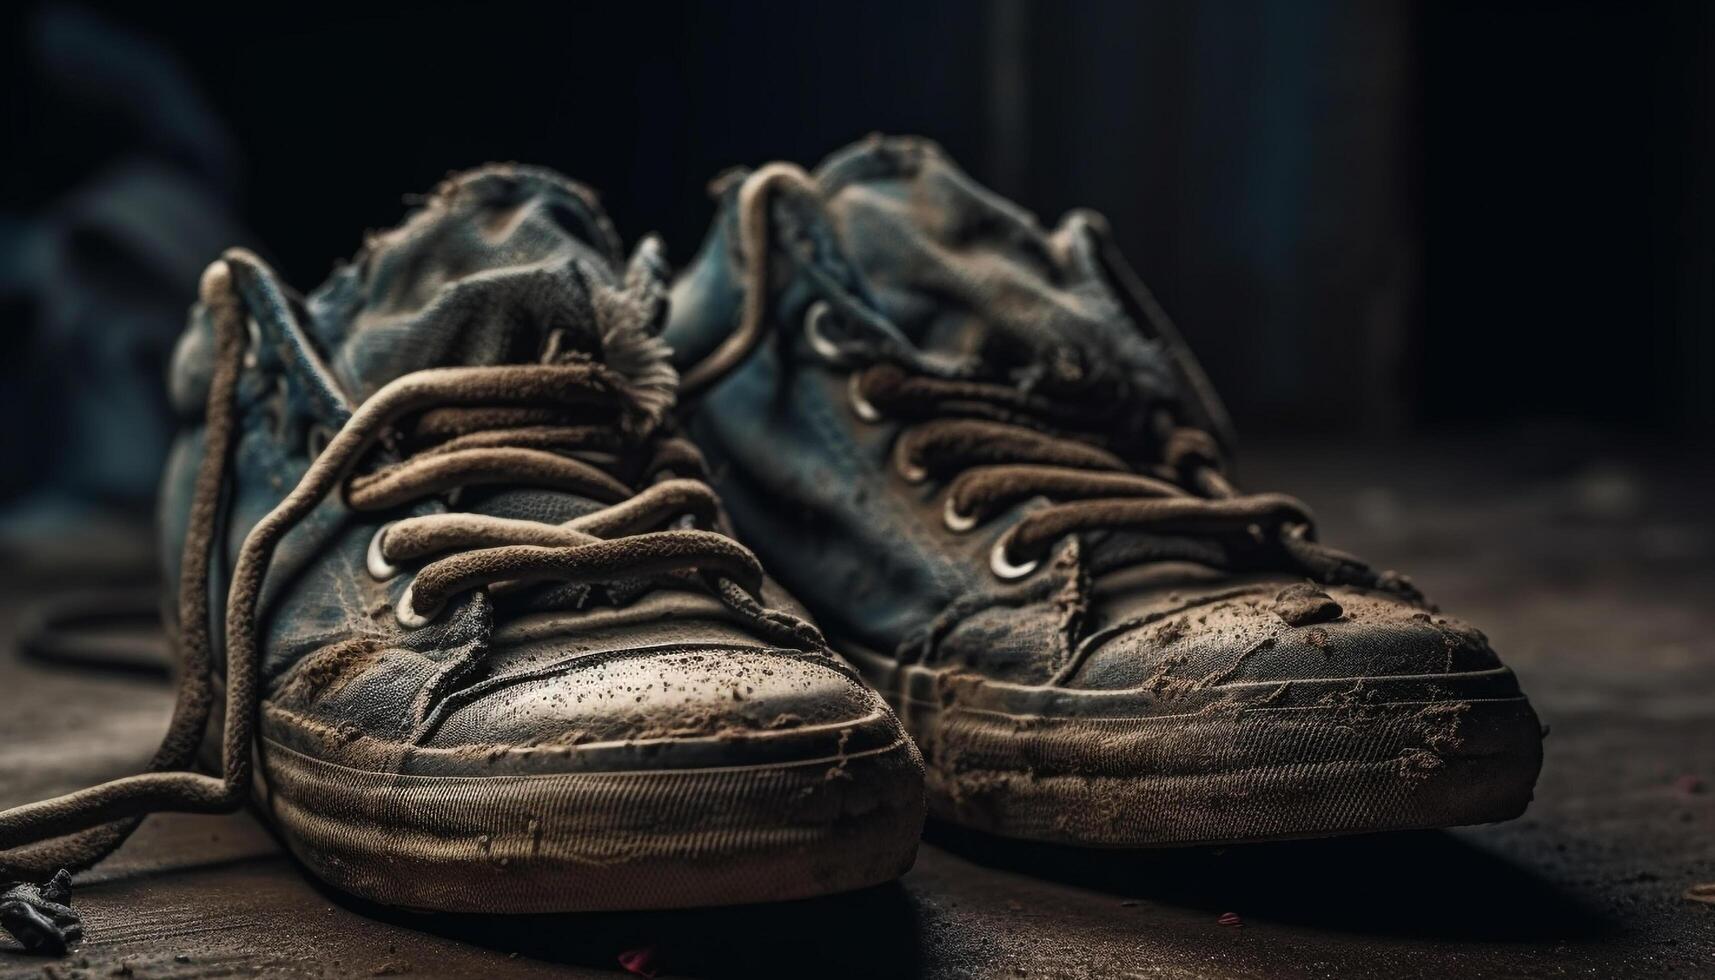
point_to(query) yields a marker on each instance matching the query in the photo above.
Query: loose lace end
(40, 917)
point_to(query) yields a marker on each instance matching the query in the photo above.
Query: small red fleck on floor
(638, 961)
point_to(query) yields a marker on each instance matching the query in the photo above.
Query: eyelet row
(316, 439)
(956, 522)
(317, 436)
(911, 472)
(1005, 568)
(253, 350)
(407, 614)
(382, 570)
(860, 405)
(826, 349)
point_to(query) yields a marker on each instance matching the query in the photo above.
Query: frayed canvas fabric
(505, 264)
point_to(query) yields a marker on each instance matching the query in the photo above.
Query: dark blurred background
(1452, 265)
(1374, 218)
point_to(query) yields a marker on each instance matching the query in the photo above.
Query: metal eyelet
(860, 405)
(253, 352)
(909, 471)
(407, 615)
(316, 439)
(1003, 567)
(380, 569)
(956, 522)
(826, 349)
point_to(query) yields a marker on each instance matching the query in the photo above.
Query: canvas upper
(985, 459)
(506, 265)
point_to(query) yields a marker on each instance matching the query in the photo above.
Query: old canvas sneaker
(482, 630)
(984, 459)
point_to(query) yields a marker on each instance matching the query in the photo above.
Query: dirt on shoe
(447, 572)
(985, 459)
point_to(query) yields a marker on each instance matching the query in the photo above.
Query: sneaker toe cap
(687, 706)
(1277, 632)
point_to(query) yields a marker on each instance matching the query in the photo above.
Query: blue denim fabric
(497, 261)
(482, 278)
(921, 264)
(918, 264)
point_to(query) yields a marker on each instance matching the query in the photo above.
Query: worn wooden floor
(1591, 568)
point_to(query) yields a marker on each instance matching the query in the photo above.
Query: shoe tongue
(500, 265)
(963, 273)
(493, 263)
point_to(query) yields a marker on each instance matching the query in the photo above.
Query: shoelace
(470, 416)
(1000, 445)
(504, 555)
(996, 447)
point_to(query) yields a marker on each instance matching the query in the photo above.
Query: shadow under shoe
(1436, 885)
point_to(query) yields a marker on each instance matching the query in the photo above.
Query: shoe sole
(603, 840)
(1225, 765)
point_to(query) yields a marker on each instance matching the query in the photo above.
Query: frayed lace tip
(40, 917)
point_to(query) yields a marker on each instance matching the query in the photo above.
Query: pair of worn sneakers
(457, 605)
